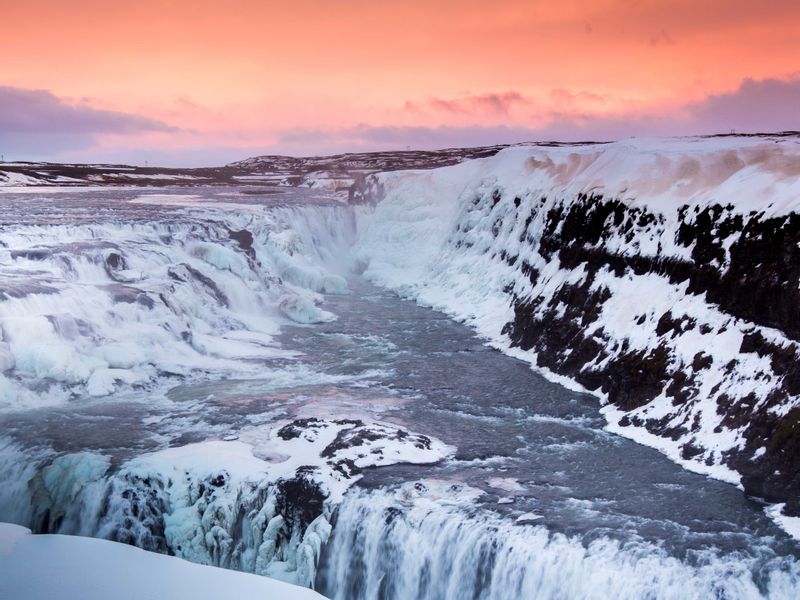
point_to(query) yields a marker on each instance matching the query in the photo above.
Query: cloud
(756, 106)
(492, 104)
(39, 111)
(60, 130)
(367, 137)
(562, 97)
(37, 124)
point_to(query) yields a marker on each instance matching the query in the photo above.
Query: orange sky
(227, 79)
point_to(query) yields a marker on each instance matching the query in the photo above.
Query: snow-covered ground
(44, 567)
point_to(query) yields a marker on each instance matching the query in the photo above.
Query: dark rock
(245, 241)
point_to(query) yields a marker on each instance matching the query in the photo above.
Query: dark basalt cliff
(746, 265)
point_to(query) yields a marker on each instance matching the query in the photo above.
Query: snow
(44, 187)
(43, 567)
(264, 453)
(156, 176)
(789, 524)
(303, 310)
(527, 517)
(11, 179)
(507, 484)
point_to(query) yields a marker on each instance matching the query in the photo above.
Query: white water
(109, 307)
(426, 542)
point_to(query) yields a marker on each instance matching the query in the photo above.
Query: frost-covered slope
(26, 174)
(662, 275)
(43, 567)
(340, 171)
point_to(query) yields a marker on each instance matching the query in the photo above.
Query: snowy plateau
(240, 367)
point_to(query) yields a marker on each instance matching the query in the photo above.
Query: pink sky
(200, 82)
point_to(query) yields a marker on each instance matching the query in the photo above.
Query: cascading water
(425, 541)
(168, 298)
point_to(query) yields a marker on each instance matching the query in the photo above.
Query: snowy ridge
(662, 275)
(33, 174)
(101, 308)
(259, 173)
(341, 171)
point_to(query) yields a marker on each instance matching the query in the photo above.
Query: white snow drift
(43, 567)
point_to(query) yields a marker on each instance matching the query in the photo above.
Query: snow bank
(42, 567)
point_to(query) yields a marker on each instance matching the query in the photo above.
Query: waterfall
(426, 541)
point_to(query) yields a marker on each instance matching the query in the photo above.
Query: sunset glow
(202, 82)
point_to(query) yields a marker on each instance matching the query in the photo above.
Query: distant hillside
(328, 172)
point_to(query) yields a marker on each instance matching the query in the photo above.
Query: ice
(260, 503)
(303, 309)
(507, 484)
(67, 475)
(7, 360)
(527, 517)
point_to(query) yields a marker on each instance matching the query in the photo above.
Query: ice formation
(259, 504)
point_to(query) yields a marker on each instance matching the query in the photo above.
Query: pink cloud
(492, 104)
(43, 126)
(41, 112)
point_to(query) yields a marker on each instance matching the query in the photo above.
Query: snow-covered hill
(341, 171)
(662, 275)
(333, 173)
(38, 174)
